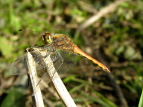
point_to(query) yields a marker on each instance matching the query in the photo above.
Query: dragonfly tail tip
(106, 70)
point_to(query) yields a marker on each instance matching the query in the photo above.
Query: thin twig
(118, 90)
(114, 84)
(32, 75)
(103, 12)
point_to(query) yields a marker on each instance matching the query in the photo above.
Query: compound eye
(46, 38)
(47, 34)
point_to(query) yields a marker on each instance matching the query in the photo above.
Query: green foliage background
(116, 40)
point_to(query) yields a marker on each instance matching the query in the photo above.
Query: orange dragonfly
(63, 42)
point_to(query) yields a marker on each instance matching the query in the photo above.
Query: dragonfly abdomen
(80, 52)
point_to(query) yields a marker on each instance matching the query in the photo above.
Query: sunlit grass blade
(141, 100)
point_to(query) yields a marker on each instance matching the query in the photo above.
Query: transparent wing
(62, 61)
(19, 66)
(68, 60)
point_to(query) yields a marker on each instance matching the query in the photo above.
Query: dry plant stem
(32, 75)
(117, 90)
(106, 10)
(56, 80)
(114, 84)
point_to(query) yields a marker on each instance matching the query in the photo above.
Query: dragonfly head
(47, 38)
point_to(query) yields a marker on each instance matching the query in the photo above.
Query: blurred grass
(14, 99)
(118, 38)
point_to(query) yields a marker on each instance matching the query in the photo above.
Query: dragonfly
(53, 43)
(63, 42)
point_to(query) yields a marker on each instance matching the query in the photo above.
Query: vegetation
(116, 40)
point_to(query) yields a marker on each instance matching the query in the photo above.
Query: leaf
(6, 47)
(131, 54)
